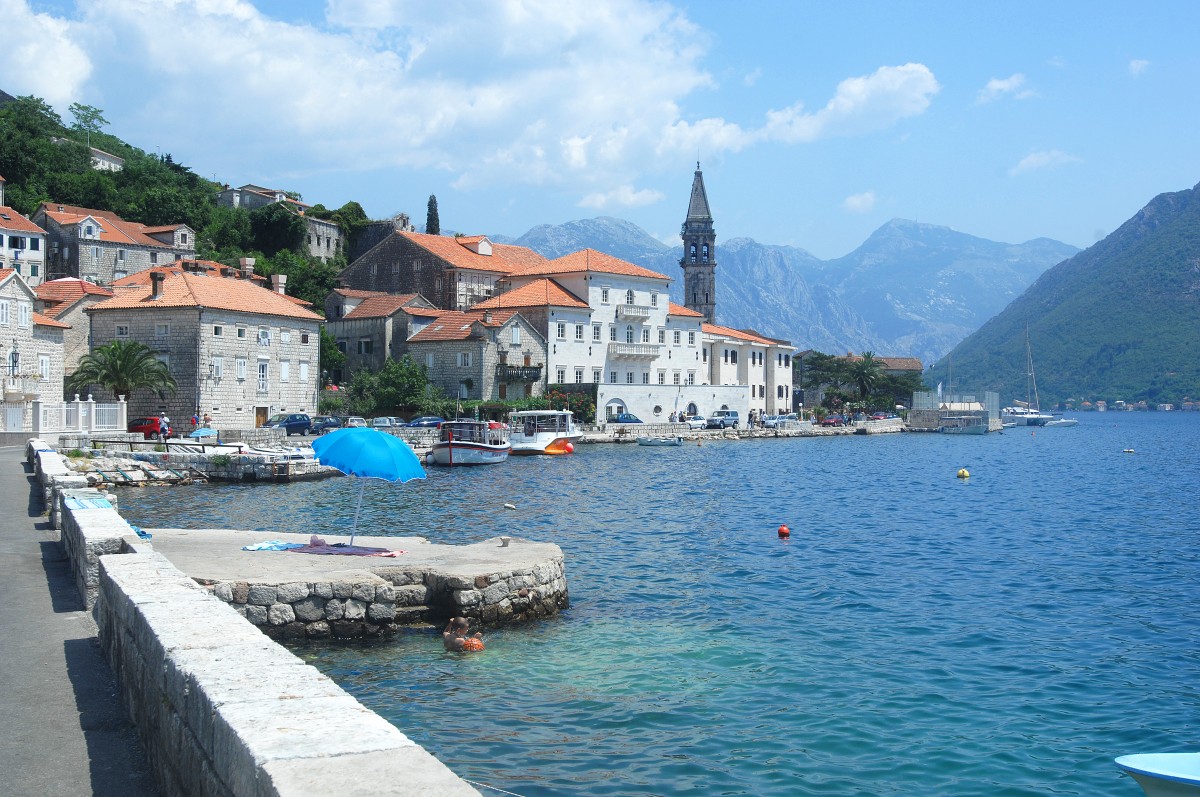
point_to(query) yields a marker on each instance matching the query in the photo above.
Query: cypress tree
(432, 225)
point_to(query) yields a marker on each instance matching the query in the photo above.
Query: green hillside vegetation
(1120, 320)
(45, 160)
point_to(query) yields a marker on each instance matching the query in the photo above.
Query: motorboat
(543, 432)
(660, 441)
(1022, 414)
(1164, 774)
(1062, 422)
(470, 442)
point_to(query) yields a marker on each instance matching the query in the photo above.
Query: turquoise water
(919, 634)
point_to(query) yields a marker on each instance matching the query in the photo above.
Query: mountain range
(910, 290)
(1120, 320)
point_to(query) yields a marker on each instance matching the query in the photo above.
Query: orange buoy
(784, 532)
(570, 447)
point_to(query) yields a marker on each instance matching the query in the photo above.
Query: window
(120, 273)
(691, 380)
(154, 258)
(285, 336)
(612, 332)
(303, 338)
(95, 253)
(733, 356)
(662, 336)
(562, 330)
(263, 366)
(629, 377)
(675, 377)
(33, 269)
(604, 295)
(629, 297)
(691, 338)
(16, 242)
(24, 315)
(692, 252)
(645, 334)
(645, 377)
(122, 331)
(285, 369)
(597, 375)
(428, 359)
(217, 329)
(596, 332)
(676, 337)
(341, 346)
(183, 237)
(612, 377)
(88, 231)
(35, 244)
(4, 313)
(516, 335)
(241, 332)
(120, 255)
(653, 298)
(662, 377)
(724, 355)
(44, 367)
(217, 367)
(561, 375)
(264, 336)
(366, 346)
(241, 368)
(579, 376)
(464, 359)
(629, 334)
(579, 332)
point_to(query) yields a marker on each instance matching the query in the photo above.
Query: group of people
(677, 417)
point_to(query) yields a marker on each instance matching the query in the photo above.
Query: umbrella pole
(362, 483)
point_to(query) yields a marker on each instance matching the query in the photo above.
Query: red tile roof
(352, 293)
(60, 294)
(504, 259)
(736, 334)
(380, 306)
(186, 289)
(679, 309)
(208, 267)
(113, 228)
(454, 325)
(590, 260)
(47, 321)
(539, 293)
(12, 220)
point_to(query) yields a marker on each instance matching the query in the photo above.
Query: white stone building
(22, 244)
(237, 350)
(32, 348)
(66, 299)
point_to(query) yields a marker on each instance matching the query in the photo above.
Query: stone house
(377, 328)
(101, 247)
(22, 244)
(479, 354)
(66, 299)
(238, 351)
(454, 273)
(32, 348)
(323, 237)
(763, 365)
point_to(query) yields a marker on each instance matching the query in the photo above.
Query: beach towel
(272, 545)
(319, 546)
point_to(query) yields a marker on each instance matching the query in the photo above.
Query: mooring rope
(493, 788)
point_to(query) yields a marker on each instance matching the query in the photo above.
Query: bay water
(918, 634)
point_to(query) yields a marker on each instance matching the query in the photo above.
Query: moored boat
(1164, 774)
(660, 441)
(1062, 422)
(1021, 414)
(470, 442)
(543, 432)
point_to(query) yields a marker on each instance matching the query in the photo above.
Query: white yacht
(543, 432)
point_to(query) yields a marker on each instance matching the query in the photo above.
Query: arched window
(629, 334)
(705, 253)
(692, 252)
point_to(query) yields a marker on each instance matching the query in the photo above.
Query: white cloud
(860, 203)
(1138, 66)
(40, 56)
(1042, 160)
(1013, 86)
(622, 196)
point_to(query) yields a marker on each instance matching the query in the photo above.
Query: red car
(151, 428)
(833, 420)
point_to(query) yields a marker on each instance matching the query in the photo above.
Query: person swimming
(456, 638)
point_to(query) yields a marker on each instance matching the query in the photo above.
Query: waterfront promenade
(63, 730)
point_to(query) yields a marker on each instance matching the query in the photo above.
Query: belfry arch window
(705, 253)
(693, 253)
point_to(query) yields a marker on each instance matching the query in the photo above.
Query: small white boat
(660, 441)
(543, 432)
(1019, 415)
(470, 442)
(1062, 422)
(1164, 774)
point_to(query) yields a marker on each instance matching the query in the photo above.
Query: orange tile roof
(380, 306)
(5, 273)
(186, 289)
(430, 312)
(679, 309)
(354, 293)
(590, 260)
(209, 267)
(60, 294)
(47, 321)
(737, 334)
(113, 228)
(504, 259)
(539, 293)
(892, 363)
(454, 325)
(12, 220)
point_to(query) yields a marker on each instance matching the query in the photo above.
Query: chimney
(1, 190)
(487, 316)
(156, 284)
(247, 265)
(279, 283)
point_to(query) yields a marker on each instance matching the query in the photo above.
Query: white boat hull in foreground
(1164, 774)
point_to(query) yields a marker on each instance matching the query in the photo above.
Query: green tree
(433, 225)
(865, 373)
(88, 119)
(276, 228)
(122, 366)
(227, 235)
(309, 278)
(332, 358)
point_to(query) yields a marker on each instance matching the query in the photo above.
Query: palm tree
(866, 373)
(122, 366)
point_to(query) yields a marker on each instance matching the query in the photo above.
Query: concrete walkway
(63, 730)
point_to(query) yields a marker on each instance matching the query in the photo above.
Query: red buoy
(570, 447)
(784, 532)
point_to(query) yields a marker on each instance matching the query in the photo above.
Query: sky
(814, 123)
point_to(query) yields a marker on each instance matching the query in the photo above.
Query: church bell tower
(699, 261)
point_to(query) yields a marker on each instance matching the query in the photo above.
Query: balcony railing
(634, 351)
(22, 388)
(633, 311)
(518, 373)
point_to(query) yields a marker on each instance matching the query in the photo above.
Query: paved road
(63, 730)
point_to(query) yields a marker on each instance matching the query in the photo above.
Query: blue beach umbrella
(368, 454)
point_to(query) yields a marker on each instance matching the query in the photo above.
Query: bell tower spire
(699, 261)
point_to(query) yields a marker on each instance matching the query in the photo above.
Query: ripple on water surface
(1008, 634)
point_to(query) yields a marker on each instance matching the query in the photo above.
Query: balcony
(634, 312)
(634, 351)
(518, 373)
(22, 388)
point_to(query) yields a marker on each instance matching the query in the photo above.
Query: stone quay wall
(223, 711)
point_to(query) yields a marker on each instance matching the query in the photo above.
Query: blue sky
(815, 123)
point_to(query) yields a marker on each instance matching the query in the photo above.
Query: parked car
(325, 423)
(833, 420)
(387, 422)
(355, 421)
(151, 428)
(694, 421)
(427, 421)
(626, 417)
(291, 422)
(775, 421)
(722, 419)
